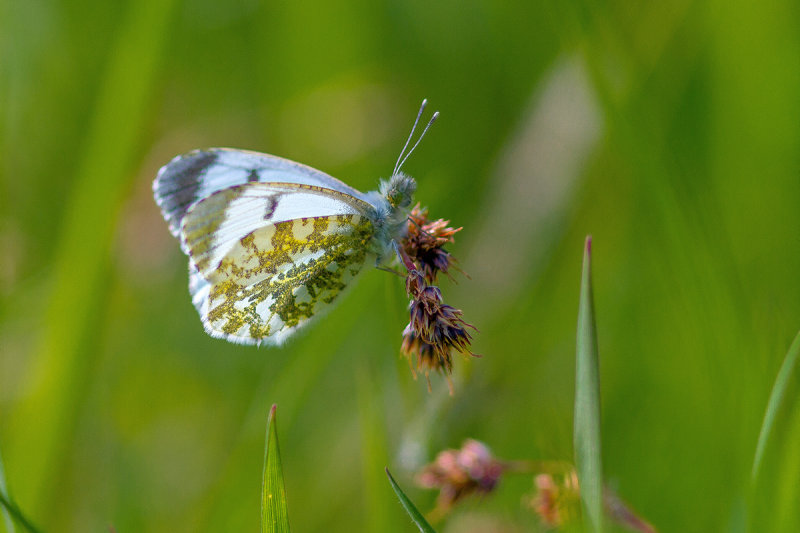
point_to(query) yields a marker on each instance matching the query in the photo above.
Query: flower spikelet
(557, 500)
(425, 241)
(435, 329)
(459, 473)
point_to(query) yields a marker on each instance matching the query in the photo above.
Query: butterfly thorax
(391, 204)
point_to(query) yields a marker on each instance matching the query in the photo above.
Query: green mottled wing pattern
(279, 277)
(261, 285)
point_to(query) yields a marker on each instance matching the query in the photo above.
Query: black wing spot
(253, 176)
(272, 204)
(179, 182)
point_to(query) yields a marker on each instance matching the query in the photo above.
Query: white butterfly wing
(196, 175)
(264, 258)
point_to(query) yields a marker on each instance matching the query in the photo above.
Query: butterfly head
(392, 203)
(393, 199)
(399, 190)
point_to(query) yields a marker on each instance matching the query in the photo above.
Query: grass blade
(776, 400)
(274, 507)
(587, 403)
(10, 509)
(412, 511)
(3, 491)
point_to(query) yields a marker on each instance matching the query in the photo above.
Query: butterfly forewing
(212, 226)
(266, 257)
(192, 177)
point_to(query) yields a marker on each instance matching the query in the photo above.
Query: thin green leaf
(3, 490)
(587, 403)
(14, 511)
(412, 511)
(776, 400)
(274, 508)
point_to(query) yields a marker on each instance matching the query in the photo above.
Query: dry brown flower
(424, 243)
(472, 469)
(434, 330)
(557, 502)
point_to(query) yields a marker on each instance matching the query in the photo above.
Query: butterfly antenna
(414, 127)
(430, 122)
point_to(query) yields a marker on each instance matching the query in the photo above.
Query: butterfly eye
(396, 198)
(399, 190)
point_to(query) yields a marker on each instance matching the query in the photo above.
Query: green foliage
(6, 514)
(777, 399)
(381, 512)
(14, 513)
(587, 403)
(666, 129)
(274, 506)
(412, 511)
(776, 466)
(62, 365)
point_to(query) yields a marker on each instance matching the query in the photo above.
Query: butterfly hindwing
(267, 257)
(277, 278)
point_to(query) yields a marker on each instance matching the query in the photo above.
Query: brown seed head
(557, 502)
(459, 473)
(425, 241)
(557, 499)
(435, 329)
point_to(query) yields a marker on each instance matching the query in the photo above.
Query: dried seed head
(458, 473)
(424, 243)
(557, 500)
(434, 330)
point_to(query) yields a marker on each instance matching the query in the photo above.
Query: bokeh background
(668, 130)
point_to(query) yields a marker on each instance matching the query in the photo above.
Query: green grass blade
(587, 403)
(3, 491)
(10, 509)
(776, 400)
(412, 511)
(274, 507)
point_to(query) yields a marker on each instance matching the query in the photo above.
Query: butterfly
(272, 243)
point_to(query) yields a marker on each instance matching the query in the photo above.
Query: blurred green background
(670, 131)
